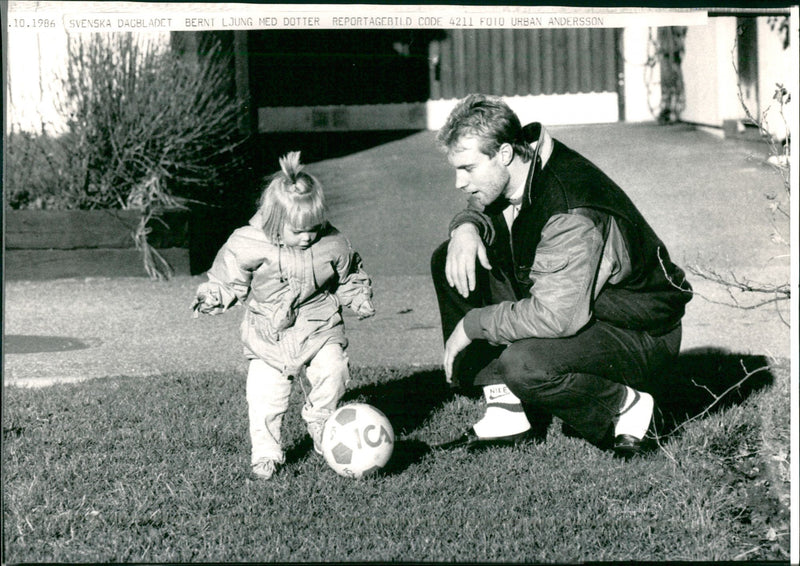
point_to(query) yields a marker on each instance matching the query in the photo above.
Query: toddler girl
(292, 271)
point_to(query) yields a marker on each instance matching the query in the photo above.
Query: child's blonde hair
(291, 196)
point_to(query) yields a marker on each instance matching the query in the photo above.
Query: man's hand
(458, 341)
(465, 245)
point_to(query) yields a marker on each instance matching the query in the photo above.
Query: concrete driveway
(704, 196)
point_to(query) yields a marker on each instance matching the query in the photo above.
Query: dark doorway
(325, 67)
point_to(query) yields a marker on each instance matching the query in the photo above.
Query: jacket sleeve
(355, 286)
(563, 275)
(478, 219)
(232, 270)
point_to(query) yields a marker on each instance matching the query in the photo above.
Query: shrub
(35, 172)
(147, 129)
(147, 123)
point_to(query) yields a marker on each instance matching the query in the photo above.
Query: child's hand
(365, 309)
(207, 301)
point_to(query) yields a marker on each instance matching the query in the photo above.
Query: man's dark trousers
(579, 379)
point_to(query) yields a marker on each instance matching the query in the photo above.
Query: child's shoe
(315, 431)
(264, 468)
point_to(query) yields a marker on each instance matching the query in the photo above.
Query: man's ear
(506, 153)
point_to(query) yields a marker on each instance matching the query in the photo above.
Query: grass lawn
(156, 470)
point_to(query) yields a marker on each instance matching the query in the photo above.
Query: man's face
(481, 177)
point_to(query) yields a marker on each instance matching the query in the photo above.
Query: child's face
(302, 238)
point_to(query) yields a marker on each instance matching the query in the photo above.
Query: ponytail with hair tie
(291, 168)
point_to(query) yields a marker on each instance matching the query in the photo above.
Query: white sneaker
(504, 414)
(264, 468)
(635, 414)
(502, 421)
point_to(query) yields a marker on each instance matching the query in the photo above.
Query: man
(553, 290)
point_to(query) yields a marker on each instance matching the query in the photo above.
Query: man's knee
(522, 369)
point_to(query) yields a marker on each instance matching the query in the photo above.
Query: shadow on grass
(407, 402)
(405, 453)
(34, 344)
(708, 381)
(700, 381)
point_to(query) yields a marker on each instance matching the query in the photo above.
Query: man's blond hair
(488, 119)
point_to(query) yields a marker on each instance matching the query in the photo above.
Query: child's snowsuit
(293, 300)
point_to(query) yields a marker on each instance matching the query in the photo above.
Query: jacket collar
(535, 133)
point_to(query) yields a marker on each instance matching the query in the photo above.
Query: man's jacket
(578, 250)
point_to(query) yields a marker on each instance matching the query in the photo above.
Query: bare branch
(781, 292)
(715, 402)
(731, 282)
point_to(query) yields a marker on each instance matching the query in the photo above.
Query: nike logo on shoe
(496, 392)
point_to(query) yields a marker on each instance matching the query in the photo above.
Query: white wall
(37, 64)
(550, 110)
(642, 91)
(700, 77)
(34, 64)
(774, 66)
(727, 79)
(711, 83)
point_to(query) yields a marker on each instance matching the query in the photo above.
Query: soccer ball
(357, 440)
